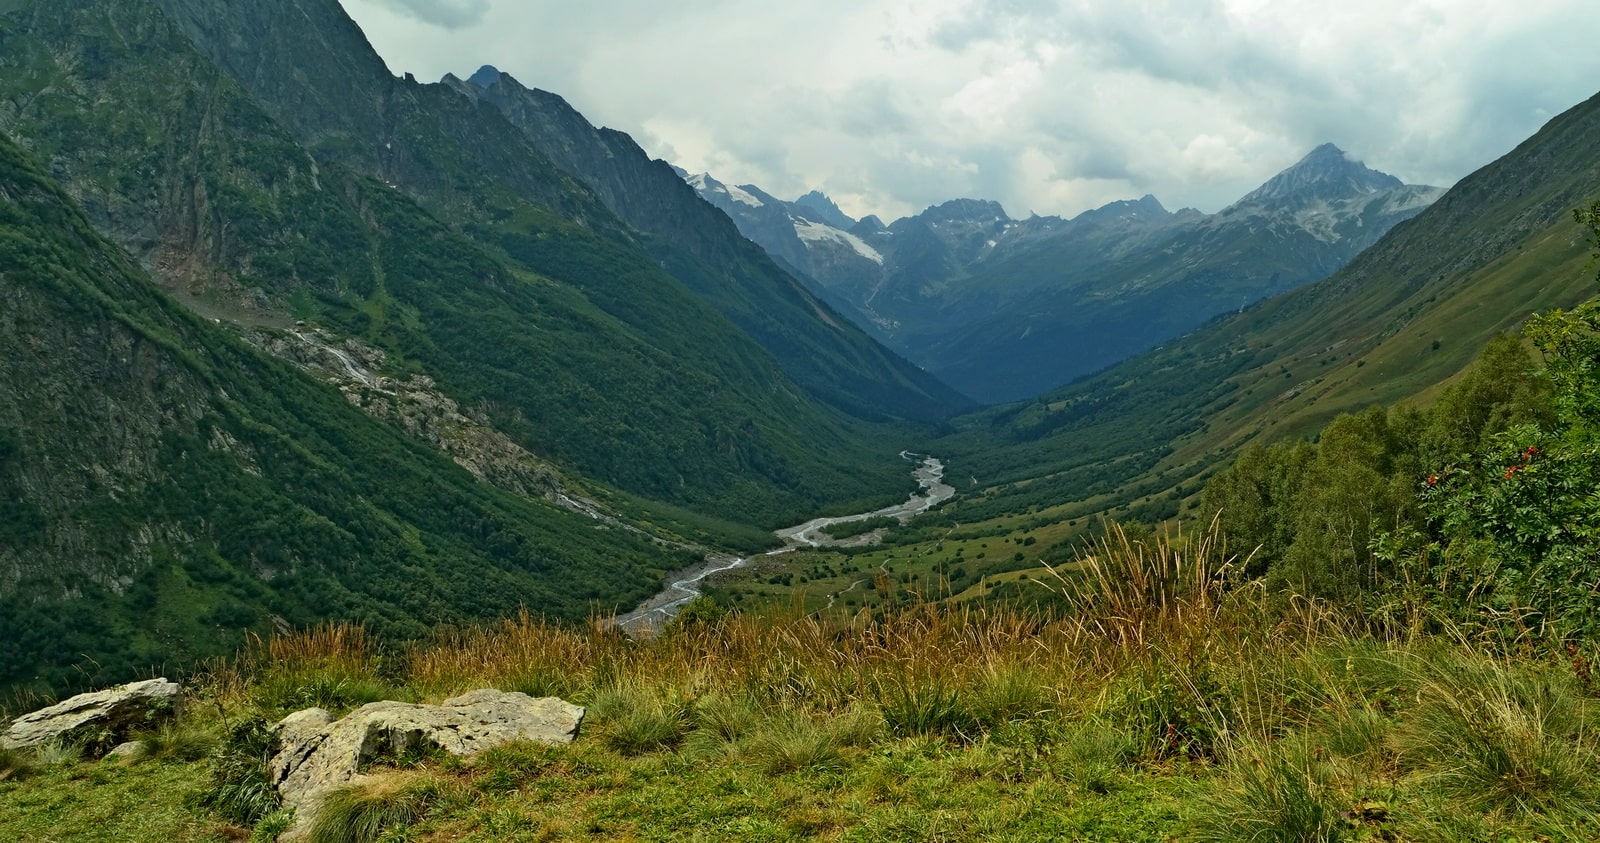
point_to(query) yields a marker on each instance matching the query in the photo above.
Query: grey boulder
(317, 754)
(97, 720)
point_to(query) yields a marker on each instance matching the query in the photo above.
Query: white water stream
(654, 612)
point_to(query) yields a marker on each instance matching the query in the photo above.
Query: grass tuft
(57, 753)
(240, 788)
(362, 813)
(796, 743)
(185, 739)
(1092, 756)
(925, 706)
(1496, 736)
(725, 717)
(634, 720)
(1275, 792)
(14, 763)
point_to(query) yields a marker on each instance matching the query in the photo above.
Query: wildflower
(1512, 470)
(1528, 454)
(1433, 480)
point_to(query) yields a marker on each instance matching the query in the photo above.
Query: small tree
(1519, 522)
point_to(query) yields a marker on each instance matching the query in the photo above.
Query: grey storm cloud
(451, 14)
(1054, 106)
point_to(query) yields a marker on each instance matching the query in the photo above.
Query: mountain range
(1004, 309)
(287, 338)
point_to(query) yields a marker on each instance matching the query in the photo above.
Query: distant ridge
(1004, 309)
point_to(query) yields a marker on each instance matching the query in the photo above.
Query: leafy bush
(241, 787)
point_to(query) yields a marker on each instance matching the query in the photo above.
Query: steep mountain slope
(1004, 309)
(1407, 314)
(828, 355)
(165, 487)
(436, 141)
(558, 330)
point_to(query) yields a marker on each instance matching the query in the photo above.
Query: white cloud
(893, 105)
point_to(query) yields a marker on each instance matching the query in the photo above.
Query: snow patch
(812, 232)
(704, 183)
(742, 197)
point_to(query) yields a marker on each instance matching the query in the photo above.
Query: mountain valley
(477, 477)
(299, 353)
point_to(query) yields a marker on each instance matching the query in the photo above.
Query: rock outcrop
(98, 720)
(317, 754)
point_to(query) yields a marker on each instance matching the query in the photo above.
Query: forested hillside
(429, 228)
(165, 488)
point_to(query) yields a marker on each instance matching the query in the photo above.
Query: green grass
(93, 802)
(1334, 737)
(1167, 704)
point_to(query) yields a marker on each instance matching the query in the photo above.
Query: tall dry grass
(1299, 710)
(1150, 618)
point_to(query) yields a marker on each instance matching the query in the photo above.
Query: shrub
(241, 789)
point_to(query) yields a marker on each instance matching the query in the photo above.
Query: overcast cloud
(1050, 106)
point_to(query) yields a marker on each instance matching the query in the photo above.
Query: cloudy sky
(1050, 106)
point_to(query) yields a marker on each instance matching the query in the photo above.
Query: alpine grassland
(1167, 696)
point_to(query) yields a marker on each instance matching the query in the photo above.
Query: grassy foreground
(1167, 705)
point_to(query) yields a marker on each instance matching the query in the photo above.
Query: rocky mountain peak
(965, 210)
(1143, 208)
(1327, 172)
(825, 210)
(869, 224)
(486, 76)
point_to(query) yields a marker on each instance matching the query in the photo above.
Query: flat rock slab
(317, 754)
(98, 720)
